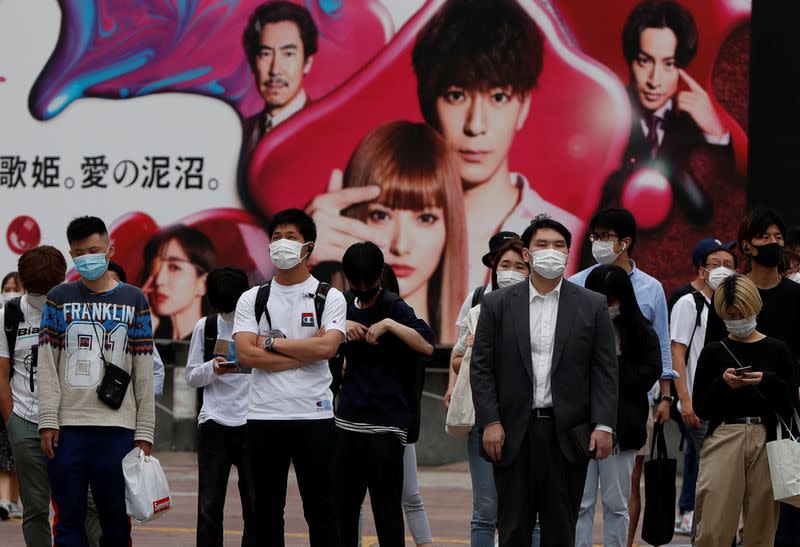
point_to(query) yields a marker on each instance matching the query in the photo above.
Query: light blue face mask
(91, 266)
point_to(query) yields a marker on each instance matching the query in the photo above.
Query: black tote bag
(658, 525)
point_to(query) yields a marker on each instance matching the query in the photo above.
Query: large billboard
(425, 126)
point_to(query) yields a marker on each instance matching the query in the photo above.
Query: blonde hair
(737, 295)
(414, 169)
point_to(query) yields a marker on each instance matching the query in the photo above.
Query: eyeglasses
(602, 236)
(727, 264)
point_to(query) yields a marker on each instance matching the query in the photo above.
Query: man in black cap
(475, 296)
(702, 248)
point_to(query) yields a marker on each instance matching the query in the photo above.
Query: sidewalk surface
(446, 491)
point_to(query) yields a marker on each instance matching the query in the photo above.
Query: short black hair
(621, 221)
(479, 45)
(117, 269)
(756, 223)
(389, 279)
(83, 227)
(661, 14)
(276, 12)
(224, 286)
(545, 222)
(362, 263)
(299, 219)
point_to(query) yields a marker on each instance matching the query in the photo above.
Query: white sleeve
(334, 317)
(465, 307)
(3, 338)
(684, 315)
(158, 372)
(198, 372)
(245, 318)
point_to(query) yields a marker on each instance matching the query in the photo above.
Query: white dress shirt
(724, 140)
(543, 319)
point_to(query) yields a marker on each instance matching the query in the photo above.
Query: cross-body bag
(783, 456)
(461, 412)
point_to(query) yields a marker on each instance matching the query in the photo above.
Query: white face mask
(741, 328)
(9, 295)
(603, 252)
(717, 276)
(285, 253)
(506, 278)
(549, 263)
(795, 277)
(613, 311)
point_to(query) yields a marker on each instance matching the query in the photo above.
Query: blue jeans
(484, 496)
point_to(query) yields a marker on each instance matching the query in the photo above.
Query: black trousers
(540, 481)
(220, 447)
(375, 462)
(309, 445)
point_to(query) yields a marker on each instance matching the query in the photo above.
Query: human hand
(336, 233)
(470, 340)
(736, 381)
(147, 447)
(219, 369)
(377, 330)
(698, 105)
(494, 436)
(661, 415)
(601, 444)
(48, 438)
(690, 419)
(447, 397)
(355, 331)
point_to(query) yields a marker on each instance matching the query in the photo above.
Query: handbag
(658, 525)
(147, 494)
(461, 412)
(784, 464)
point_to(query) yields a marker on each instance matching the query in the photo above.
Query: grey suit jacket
(584, 368)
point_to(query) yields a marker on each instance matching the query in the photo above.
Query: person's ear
(111, 250)
(201, 284)
(524, 111)
(526, 255)
(307, 64)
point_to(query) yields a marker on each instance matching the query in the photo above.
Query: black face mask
(366, 295)
(769, 255)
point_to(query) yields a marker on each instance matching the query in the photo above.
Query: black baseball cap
(495, 242)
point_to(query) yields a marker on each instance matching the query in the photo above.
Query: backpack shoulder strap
(262, 297)
(477, 295)
(699, 302)
(319, 301)
(209, 337)
(13, 316)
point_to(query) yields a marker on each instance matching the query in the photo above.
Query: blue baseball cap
(706, 246)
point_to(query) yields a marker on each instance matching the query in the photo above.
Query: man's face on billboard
(654, 71)
(479, 127)
(280, 63)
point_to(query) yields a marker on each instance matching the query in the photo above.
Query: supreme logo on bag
(160, 505)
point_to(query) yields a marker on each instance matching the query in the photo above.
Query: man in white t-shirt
(40, 269)
(290, 410)
(687, 329)
(212, 366)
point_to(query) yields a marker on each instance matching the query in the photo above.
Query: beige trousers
(734, 476)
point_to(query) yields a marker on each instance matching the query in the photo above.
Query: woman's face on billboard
(176, 284)
(416, 241)
(479, 127)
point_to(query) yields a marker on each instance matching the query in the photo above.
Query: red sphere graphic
(648, 195)
(23, 233)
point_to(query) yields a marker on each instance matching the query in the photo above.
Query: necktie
(653, 123)
(267, 124)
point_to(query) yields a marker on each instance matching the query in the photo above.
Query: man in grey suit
(544, 385)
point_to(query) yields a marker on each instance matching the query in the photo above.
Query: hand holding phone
(741, 371)
(227, 364)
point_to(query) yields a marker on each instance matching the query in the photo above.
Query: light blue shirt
(650, 296)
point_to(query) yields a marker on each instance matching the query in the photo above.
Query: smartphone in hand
(227, 364)
(741, 371)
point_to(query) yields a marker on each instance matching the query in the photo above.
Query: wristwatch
(268, 341)
(669, 398)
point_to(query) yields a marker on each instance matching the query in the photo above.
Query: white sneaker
(15, 511)
(683, 525)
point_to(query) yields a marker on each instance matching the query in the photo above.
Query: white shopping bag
(784, 465)
(147, 495)
(461, 413)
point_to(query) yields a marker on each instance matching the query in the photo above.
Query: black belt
(542, 412)
(751, 420)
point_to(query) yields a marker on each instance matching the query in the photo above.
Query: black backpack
(13, 316)
(477, 295)
(209, 336)
(414, 382)
(336, 364)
